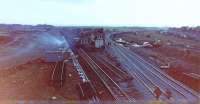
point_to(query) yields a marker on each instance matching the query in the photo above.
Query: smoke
(49, 41)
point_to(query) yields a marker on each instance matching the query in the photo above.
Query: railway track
(167, 76)
(102, 92)
(120, 76)
(164, 81)
(145, 80)
(112, 68)
(113, 88)
(88, 92)
(57, 76)
(132, 75)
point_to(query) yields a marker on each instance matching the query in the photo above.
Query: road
(150, 75)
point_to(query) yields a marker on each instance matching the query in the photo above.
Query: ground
(32, 82)
(24, 77)
(22, 74)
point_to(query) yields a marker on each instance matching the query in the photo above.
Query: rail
(111, 85)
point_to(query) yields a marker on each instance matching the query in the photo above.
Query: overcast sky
(101, 12)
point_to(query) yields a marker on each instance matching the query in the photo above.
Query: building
(93, 38)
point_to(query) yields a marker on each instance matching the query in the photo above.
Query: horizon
(114, 26)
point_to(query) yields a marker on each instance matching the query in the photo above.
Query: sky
(159, 13)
